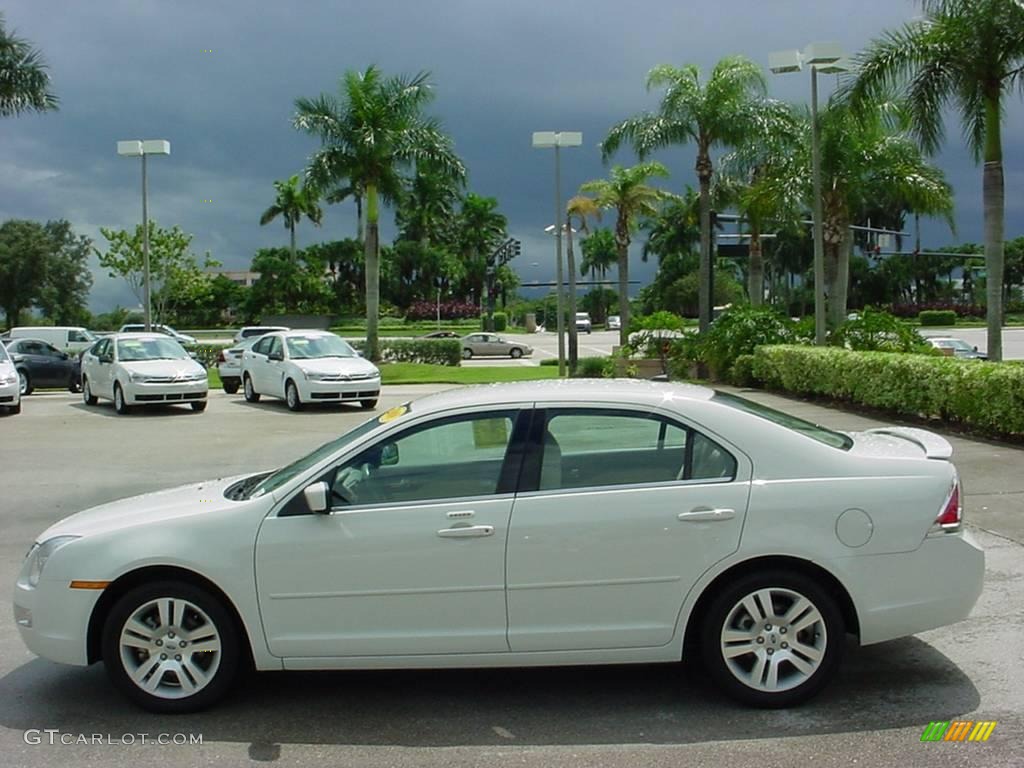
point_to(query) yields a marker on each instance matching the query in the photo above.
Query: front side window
(262, 346)
(276, 347)
(456, 457)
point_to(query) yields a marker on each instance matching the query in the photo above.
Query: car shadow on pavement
(893, 685)
(274, 405)
(106, 408)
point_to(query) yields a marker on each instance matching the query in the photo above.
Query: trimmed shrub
(450, 310)
(741, 374)
(737, 331)
(937, 317)
(875, 331)
(433, 351)
(988, 397)
(549, 361)
(500, 322)
(590, 367)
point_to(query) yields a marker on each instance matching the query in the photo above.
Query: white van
(64, 337)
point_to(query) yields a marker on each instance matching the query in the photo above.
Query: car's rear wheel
(199, 406)
(74, 385)
(772, 639)
(24, 382)
(251, 395)
(87, 396)
(230, 386)
(516, 353)
(368, 405)
(291, 396)
(467, 353)
(119, 402)
(171, 647)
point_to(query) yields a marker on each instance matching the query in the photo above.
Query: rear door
(620, 513)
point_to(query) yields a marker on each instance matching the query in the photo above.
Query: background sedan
(40, 364)
(483, 344)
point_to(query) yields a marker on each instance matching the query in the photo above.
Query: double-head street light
(827, 58)
(557, 140)
(136, 148)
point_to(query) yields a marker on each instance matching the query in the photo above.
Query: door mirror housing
(389, 455)
(278, 356)
(316, 496)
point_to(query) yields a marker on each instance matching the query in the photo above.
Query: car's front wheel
(87, 396)
(251, 395)
(230, 386)
(119, 402)
(368, 405)
(198, 406)
(516, 353)
(170, 647)
(24, 382)
(467, 353)
(773, 639)
(291, 396)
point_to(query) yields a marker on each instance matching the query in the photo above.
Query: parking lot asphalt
(59, 456)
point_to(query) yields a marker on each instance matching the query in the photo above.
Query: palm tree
(579, 208)
(599, 255)
(293, 202)
(427, 205)
(627, 191)
(371, 131)
(968, 54)
(480, 229)
(24, 81)
(720, 113)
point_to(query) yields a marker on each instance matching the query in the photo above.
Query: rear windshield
(815, 431)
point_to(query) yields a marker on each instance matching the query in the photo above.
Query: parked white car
(142, 369)
(166, 330)
(255, 331)
(229, 364)
(10, 383)
(583, 322)
(306, 367)
(614, 323)
(532, 524)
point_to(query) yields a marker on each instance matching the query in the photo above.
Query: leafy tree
(968, 54)
(170, 262)
(292, 203)
(578, 211)
(371, 131)
(480, 229)
(24, 81)
(599, 255)
(427, 205)
(288, 285)
(719, 113)
(627, 192)
(25, 250)
(64, 296)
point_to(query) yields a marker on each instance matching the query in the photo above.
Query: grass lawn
(419, 373)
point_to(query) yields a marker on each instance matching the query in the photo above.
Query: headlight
(313, 375)
(375, 374)
(197, 376)
(41, 553)
(138, 378)
(9, 378)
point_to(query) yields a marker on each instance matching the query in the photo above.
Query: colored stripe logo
(958, 730)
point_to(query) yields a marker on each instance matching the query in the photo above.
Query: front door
(630, 508)
(411, 558)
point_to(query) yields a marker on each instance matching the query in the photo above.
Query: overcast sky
(139, 69)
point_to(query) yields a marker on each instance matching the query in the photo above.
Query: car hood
(349, 366)
(170, 368)
(196, 499)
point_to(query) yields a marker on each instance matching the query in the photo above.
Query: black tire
(251, 395)
(119, 402)
(826, 638)
(87, 396)
(368, 405)
(198, 406)
(24, 382)
(14, 410)
(291, 396)
(202, 611)
(516, 353)
(74, 385)
(231, 386)
(467, 353)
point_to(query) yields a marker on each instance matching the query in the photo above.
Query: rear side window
(814, 431)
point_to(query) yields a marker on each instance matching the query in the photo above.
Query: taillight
(220, 357)
(951, 515)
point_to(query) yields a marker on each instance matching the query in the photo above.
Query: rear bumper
(904, 593)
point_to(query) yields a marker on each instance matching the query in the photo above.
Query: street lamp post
(829, 59)
(136, 148)
(557, 140)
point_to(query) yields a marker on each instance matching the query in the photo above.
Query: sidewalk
(992, 473)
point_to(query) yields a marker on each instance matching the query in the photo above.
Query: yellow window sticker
(490, 433)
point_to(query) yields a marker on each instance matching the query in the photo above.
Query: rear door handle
(706, 515)
(466, 531)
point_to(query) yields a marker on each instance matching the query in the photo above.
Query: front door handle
(706, 515)
(466, 531)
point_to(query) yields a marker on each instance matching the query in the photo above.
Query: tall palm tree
(626, 190)
(370, 132)
(427, 204)
(718, 113)
(599, 255)
(480, 229)
(581, 208)
(24, 81)
(293, 201)
(968, 54)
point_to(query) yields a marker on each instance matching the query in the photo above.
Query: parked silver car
(484, 344)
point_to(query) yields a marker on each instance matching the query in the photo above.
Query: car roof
(625, 391)
(138, 335)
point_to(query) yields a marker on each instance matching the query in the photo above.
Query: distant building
(244, 278)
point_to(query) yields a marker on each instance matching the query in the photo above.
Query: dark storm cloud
(136, 69)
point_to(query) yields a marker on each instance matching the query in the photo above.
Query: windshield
(155, 348)
(815, 431)
(296, 468)
(954, 344)
(308, 347)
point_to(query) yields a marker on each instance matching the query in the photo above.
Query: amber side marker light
(89, 584)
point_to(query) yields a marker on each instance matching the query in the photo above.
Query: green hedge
(937, 317)
(207, 353)
(988, 397)
(500, 322)
(433, 351)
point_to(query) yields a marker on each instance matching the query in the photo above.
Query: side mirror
(360, 354)
(975, 347)
(279, 356)
(389, 455)
(193, 355)
(316, 496)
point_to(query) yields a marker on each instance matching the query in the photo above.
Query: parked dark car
(40, 364)
(440, 335)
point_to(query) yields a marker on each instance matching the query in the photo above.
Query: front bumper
(360, 389)
(141, 393)
(904, 593)
(10, 394)
(53, 620)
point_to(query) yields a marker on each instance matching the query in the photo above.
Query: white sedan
(543, 523)
(10, 383)
(142, 369)
(308, 366)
